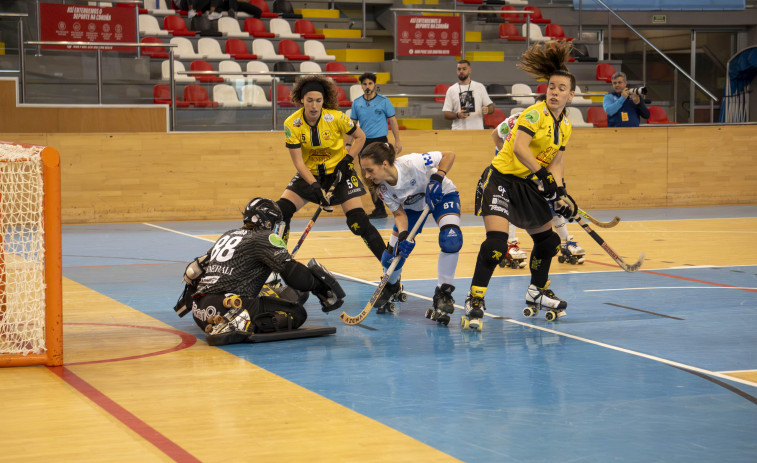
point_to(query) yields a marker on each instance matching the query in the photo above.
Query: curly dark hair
(330, 98)
(546, 60)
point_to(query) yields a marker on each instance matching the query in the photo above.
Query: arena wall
(150, 176)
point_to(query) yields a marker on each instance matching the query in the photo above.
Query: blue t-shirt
(372, 115)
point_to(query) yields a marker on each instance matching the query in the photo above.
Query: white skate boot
(571, 252)
(514, 258)
(474, 313)
(543, 298)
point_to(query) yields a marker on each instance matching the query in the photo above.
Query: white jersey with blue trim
(413, 173)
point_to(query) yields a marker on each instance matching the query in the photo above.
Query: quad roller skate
(444, 304)
(571, 252)
(474, 313)
(390, 295)
(543, 298)
(232, 327)
(514, 257)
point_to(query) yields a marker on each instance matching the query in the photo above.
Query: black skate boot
(390, 295)
(543, 298)
(444, 304)
(474, 311)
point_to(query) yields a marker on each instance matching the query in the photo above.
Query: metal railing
(20, 16)
(677, 68)
(394, 11)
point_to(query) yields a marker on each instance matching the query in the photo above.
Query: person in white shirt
(408, 184)
(466, 101)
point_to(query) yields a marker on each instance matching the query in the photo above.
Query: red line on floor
(165, 445)
(187, 340)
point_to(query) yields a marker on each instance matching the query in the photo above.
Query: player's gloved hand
(549, 186)
(434, 191)
(344, 168)
(319, 194)
(564, 205)
(404, 246)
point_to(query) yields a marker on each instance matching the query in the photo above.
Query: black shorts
(516, 199)
(349, 188)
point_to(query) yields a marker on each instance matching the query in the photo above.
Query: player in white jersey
(406, 185)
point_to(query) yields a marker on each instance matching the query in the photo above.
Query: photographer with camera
(467, 101)
(624, 106)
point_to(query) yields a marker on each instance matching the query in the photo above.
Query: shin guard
(491, 252)
(360, 225)
(546, 246)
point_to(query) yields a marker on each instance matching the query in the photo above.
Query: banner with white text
(428, 35)
(82, 23)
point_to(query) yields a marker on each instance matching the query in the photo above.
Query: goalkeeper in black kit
(226, 291)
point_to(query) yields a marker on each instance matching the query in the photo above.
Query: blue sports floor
(641, 368)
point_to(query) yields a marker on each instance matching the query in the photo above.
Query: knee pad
(493, 248)
(358, 222)
(546, 245)
(287, 209)
(451, 239)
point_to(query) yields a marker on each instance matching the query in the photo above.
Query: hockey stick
(384, 279)
(596, 222)
(608, 249)
(310, 224)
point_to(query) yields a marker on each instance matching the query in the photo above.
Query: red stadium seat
(197, 96)
(256, 28)
(556, 32)
(161, 94)
(605, 72)
(536, 17)
(492, 120)
(514, 18)
(291, 51)
(335, 66)
(342, 98)
(657, 115)
(282, 96)
(177, 26)
(541, 88)
(441, 89)
(510, 32)
(597, 116)
(264, 8)
(238, 49)
(306, 29)
(202, 65)
(154, 52)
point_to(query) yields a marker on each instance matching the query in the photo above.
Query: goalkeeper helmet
(263, 213)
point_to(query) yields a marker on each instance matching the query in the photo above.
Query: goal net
(30, 256)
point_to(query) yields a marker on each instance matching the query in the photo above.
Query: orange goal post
(31, 315)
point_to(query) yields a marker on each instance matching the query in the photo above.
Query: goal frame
(51, 187)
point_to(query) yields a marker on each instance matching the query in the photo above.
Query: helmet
(262, 212)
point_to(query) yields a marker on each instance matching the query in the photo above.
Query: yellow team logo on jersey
(326, 134)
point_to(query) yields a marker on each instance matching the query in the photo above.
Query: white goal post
(31, 322)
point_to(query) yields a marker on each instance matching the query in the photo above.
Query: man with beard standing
(467, 101)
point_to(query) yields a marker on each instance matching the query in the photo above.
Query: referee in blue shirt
(372, 111)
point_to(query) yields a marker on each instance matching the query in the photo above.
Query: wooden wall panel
(117, 177)
(76, 119)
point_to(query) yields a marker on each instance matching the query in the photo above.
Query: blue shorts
(450, 204)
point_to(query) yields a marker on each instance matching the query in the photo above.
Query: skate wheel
(392, 307)
(430, 314)
(503, 263)
(475, 324)
(551, 315)
(232, 302)
(522, 264)
(444, 320)
(464, 323)
(514, 264)
(381, 310)
(530, 312)
(561, 259)
(403, 297)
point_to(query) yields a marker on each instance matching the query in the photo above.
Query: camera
(638, 91)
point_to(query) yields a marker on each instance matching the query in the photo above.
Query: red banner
(82, 23)
(428, 35)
